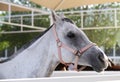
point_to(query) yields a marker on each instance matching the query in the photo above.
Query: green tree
(11, 40)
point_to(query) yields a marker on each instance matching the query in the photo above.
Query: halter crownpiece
(77, 53)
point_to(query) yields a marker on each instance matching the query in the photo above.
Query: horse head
(71, 41)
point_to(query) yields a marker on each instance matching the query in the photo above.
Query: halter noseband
(77, 53)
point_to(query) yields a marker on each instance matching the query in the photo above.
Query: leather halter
(77, 53)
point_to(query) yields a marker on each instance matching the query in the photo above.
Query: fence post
(9, 13)
(82, 19)
(6, 53)
(115, 18)
(32, 18)
(15, 49)
(21, 17)
(114, 53)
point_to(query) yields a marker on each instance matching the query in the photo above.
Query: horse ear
(55, 17)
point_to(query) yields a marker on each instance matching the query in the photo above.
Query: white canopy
(64, 4)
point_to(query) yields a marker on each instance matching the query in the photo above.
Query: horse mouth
(102, 67)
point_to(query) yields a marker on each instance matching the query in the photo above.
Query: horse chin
(98, 69)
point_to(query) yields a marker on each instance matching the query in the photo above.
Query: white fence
(115, 59)
(113, 19)
(71, 76)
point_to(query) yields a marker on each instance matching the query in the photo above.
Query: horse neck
(47, 59)
(35, 61)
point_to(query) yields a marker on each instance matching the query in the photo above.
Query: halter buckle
(59, 43)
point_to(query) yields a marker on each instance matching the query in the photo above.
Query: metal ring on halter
(59, 44)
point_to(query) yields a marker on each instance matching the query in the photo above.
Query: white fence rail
(112, 13)
(73, 77)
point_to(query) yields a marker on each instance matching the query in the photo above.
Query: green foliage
(15, 39)
(99, 19)
(11, 40)
(42, 21)
(75, 18)
(103, 37)
(4, 45)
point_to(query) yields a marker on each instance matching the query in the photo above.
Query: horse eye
(70, 35)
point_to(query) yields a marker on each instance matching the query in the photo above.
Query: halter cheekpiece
(77, 53)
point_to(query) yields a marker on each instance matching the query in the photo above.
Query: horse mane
(26, 45)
